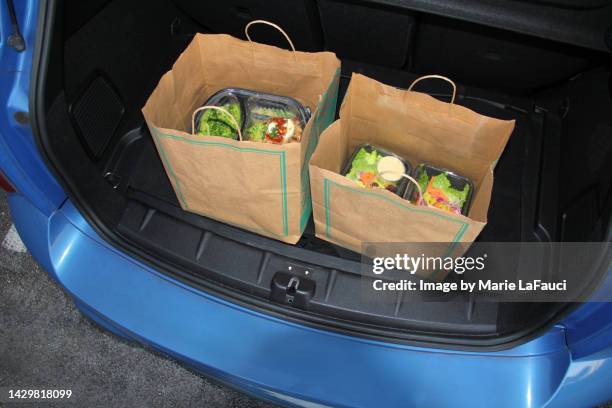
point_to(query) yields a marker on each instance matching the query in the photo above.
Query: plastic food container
(442, 189)
(272, 121)
(366, 173)
(215, 123)
(280, 118)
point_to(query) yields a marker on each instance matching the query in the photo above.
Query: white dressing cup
(392, 169)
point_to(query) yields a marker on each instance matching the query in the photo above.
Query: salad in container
(263, 117)
(362, 168)
(213, 122)
(271, 121)
(442, 189)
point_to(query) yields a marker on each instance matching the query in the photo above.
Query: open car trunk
(101, 59)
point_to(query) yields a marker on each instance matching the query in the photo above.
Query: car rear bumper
(268, 357)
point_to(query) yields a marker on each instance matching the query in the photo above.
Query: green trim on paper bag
(171, 170)
(326, 204)
(283, 172)
(326, 110)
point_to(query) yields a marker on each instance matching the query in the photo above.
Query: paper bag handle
(413, 181)
(246, 32)
(195, 112)
(416, 81)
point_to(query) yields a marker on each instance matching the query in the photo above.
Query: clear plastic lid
(216, 123)
(442, 189)
(280, 117)
(362, 168)
(273, 121)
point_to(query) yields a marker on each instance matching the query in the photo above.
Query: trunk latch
(292, 290)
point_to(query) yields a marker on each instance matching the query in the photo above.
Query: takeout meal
(443, 189)
(267, 118)
(273, 124)
(363, 169)
(373, 167)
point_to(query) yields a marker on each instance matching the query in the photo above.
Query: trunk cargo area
(552, 182)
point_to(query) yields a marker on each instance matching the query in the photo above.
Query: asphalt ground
(46, 343)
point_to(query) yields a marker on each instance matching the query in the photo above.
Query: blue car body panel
(568, 366)
(19, 158)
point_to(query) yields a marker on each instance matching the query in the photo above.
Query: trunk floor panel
(240, 260)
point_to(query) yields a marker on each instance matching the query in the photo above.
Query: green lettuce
(216, 123)
(256, 131)
(272, 112)
(367, 162)
(364, 161)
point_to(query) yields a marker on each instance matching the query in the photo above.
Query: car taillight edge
(5, 184)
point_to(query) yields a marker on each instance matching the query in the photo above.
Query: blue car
(92, 202)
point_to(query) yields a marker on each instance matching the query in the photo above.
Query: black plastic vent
(96, 114)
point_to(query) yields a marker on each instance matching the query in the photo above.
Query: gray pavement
(46, 342)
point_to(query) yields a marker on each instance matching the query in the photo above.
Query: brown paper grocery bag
(420, 129)
(256, 186)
